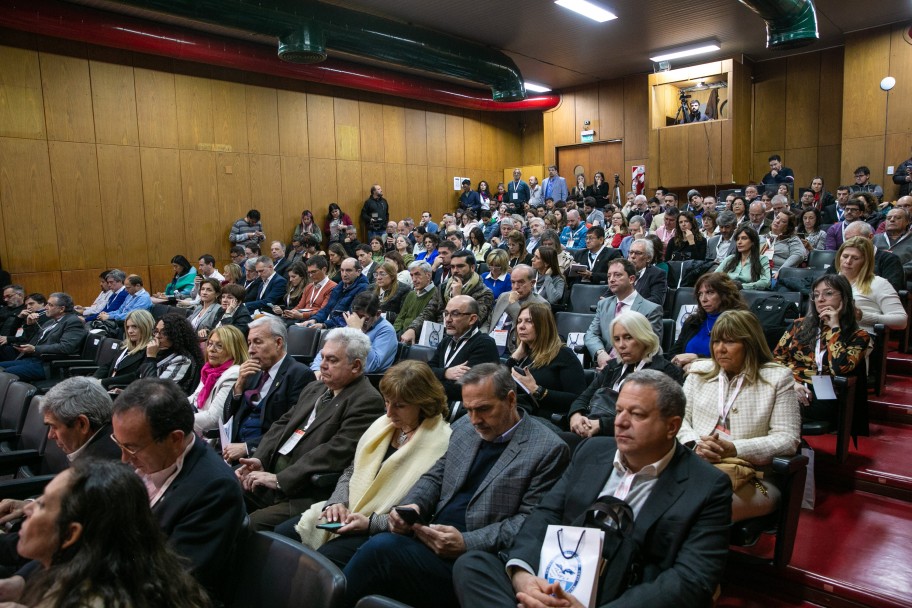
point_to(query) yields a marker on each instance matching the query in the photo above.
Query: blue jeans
(400, 567)
(27, 368)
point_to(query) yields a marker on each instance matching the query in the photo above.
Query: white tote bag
(572, 556)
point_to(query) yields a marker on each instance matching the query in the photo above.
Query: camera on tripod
(683, 96)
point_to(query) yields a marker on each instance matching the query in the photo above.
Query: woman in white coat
(226, 349)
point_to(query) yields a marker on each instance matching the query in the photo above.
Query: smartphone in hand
(410, 515)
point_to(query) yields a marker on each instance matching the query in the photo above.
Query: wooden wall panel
(348, 133)
(801, 99)
(636, 117)
(899, 119)
(321, 133)
(868, 151)
(532, 134)
(493, 157)
(437, 192)
(417, 176)
(475, 134)
(611, 110)
(769, 93)
(587, 107)
(296, 193)
(156, 108)
(292, 108)
(204, 230)
(828, 166)
(194, 111)
(234, 196)
(395, 190)
(123, 217)
(21, 98)
(416, 142)
(262, 120)
(323, 184)
(704, 154)
(159, 277)
(163, 204)
(550, 152)
(671, 144)
(394, 134)
(266, 182)
(27, 206)
(67, 98)
(563, 119)
(77, 204)
(348, 177)
(455, 141)
(229, 110)
(371, 127)
(436, 139)
(82, 285)
(829, 116)
(114, 102)
(864, 104)
(804, 162)
(40, 282)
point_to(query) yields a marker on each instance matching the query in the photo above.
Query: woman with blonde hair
(637, 347)
(233, 274)
(741, 404)
(497, 279)
(874, 297)
(226, 350)
(124, 369)
(396, 450)
(550, 372)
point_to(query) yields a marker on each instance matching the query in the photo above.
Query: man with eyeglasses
(341, 297)
(268, 385)
(835, 235)
(756, 218)
(60, 336)
(863, 183)
(506, 309)
(316, 294)
(10, 321)
(365, 316)
(463, 347)
(192, 492)
(896, 237)
(594, 257)
(651, 282)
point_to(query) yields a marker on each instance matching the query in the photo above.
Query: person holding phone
(397, 449)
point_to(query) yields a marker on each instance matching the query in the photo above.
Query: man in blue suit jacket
(271, 289)
(341, 297)
(518, 191)
(681, 507)
(554, 186)
(498, 465)
(115, 281)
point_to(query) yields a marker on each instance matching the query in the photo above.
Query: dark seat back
(5, 380)
(583, 296)
(18, 397)
(108, 351)
(572, 322)
(302, 343)
(280, 573)
(416, 352)
(683, 296)
(821, 259)
(34, 431)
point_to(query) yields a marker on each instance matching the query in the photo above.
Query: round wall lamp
(887, 83)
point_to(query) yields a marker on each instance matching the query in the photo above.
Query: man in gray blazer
(506, 308)
(498, 465)
(720, 245)
(554, 186)
(681, 506)
(61, 335)
(621, 276)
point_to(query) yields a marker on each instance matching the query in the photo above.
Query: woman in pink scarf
(226, 349)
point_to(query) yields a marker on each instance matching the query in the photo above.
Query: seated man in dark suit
(651, 282)
(498, 465)
(594, 257)
(252, 282)
(268, 385)
(281, 265)
(77, 412)
(341, 297)
(681, 507)
(318, 435)
(271, 289)
(61, 335)
(193, 493)
(463, 347)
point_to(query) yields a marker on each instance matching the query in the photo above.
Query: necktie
(253, 395)
(618, 308)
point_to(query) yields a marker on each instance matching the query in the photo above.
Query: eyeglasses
(632, 252)
(824, 294)
(216, 346)
(378, 274)
(158, 332)
(129, 451)
(455, 314)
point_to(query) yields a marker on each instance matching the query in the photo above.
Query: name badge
(516, 196)
(823, 387)
(291, 442)
(722, 432)
(500, 339)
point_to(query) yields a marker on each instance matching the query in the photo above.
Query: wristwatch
(539, 392)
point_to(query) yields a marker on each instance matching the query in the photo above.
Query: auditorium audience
(204, 317)
(715, 293)
(124, 369)
(173, 353)
(233, 310)
(875, 299)
(745, 265)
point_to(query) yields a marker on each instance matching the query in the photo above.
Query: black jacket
(480, 348)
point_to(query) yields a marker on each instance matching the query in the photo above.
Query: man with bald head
(757, 219)
(506, 308)
(896, 237)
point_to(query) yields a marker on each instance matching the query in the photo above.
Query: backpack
(775, 314)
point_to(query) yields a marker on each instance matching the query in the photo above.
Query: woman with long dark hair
(95, 536)
(181, 283)
(782, 245)
(335, 223)
(715, 293)
(477, 243)
(829, 332)
(335, 255)
(809, 230)
(307, 226)
(746, 266)
(173, 353)
(688, 242)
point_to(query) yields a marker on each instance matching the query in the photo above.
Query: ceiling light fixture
(703, 47)
(587, 9)
(536, 88)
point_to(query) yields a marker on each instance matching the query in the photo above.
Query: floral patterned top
(843, 353)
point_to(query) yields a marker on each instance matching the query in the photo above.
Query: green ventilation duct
(305, 30)
(789, 23)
